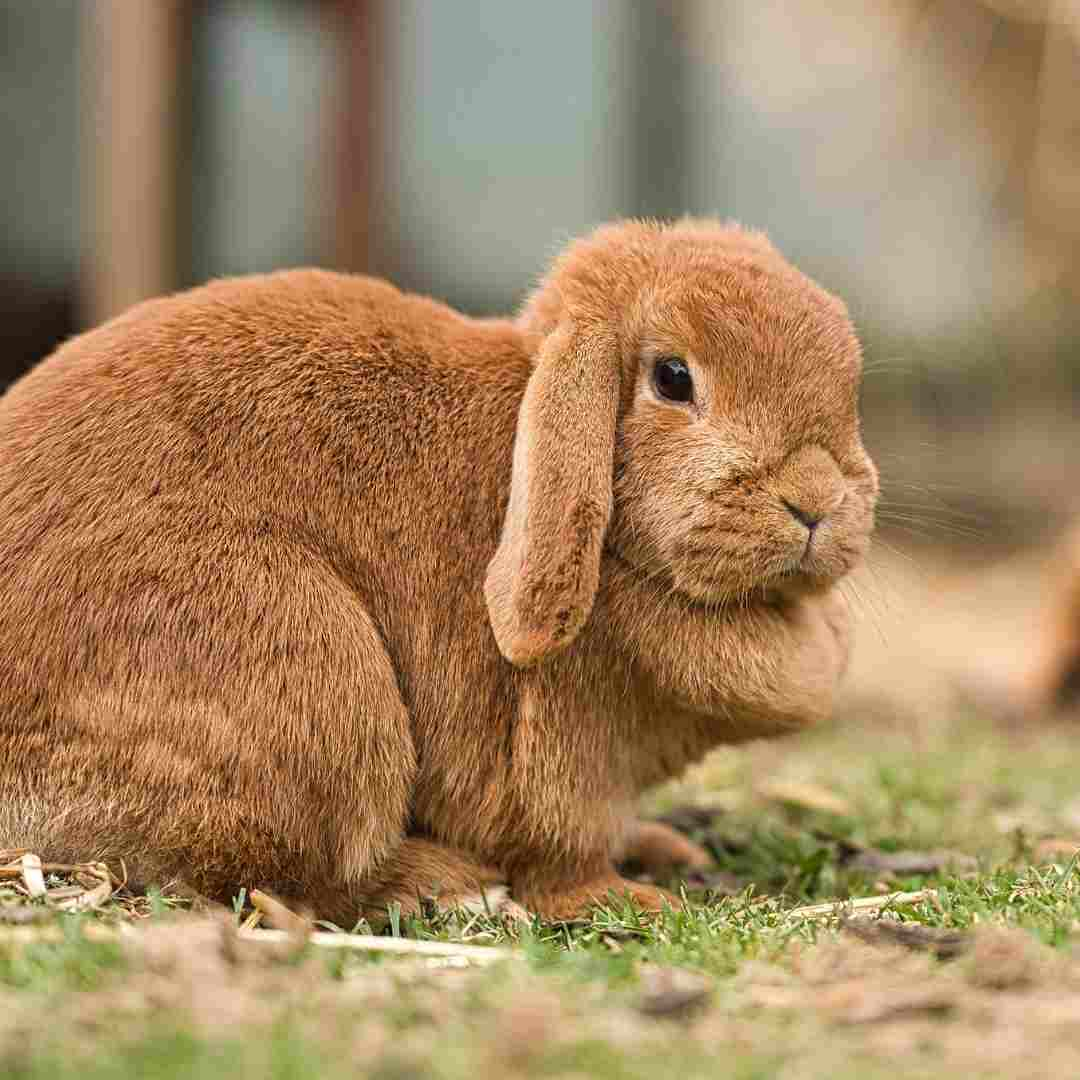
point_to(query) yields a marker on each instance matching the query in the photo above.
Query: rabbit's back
(222, 518)
(252, 382)
(329, 407)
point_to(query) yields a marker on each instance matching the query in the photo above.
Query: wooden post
(355, 139)
(135, 53)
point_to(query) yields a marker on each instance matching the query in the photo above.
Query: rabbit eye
(672, 379)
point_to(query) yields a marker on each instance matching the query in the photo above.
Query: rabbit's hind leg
(244, 729)
(62, 829)
(418, 874)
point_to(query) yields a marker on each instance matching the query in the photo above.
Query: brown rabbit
(1053, 679)
(255, 540)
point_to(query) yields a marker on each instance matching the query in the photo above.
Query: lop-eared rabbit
(313, 585)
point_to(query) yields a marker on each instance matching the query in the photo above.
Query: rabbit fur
(313, 585)
(1052, 678)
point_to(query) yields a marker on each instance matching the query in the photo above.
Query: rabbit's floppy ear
(542, 581)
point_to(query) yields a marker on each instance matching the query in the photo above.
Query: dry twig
(279, 916)
(861, 903)
(480, 954)
(32, 877)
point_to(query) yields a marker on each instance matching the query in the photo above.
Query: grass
(733, 986)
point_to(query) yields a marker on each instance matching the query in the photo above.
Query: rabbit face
(692, 412)
(739, 468)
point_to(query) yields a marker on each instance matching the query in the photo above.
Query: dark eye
(673, 380)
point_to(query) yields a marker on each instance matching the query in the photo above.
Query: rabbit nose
(810, 519)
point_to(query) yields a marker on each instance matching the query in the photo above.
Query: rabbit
(1051, 680)
(313, 585)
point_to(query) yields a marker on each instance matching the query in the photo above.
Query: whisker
(878, 542)
(881, 585)
(920, 503)
(892, 364)
(940, 522)
(848, 589)
(927, 527)
(923, 497)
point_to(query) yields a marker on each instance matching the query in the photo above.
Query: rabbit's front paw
(658, 849)
(576, 902)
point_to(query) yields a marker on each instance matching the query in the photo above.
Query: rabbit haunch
(312, 585)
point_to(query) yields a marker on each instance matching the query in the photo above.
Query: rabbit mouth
(718, 571)
(807, 569)
(701, 587)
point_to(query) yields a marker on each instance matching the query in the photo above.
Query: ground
(924, 784)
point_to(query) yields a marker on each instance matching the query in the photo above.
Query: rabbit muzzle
(800, 526)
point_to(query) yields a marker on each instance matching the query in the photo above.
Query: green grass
(783, 995)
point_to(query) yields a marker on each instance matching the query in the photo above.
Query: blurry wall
(508, 136)
(925, 156)
(39, 179)
(921, 157)
(259, 185)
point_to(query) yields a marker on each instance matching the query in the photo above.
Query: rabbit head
(693, 413)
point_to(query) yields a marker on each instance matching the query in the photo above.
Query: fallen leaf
(21, 914)
(945, 944)
(1005, 959)
(807, 796)
(1070, 812)
(910, 862)
(673, 992)
(66, 892)
(717, 882)
(687, 819)
(860, 1002)
(88, 899)
(1054, 846)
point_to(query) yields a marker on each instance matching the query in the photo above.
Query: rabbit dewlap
(312, 585)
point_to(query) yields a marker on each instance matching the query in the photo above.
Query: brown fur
(1053, 681)
(255, 538)
(659, 850)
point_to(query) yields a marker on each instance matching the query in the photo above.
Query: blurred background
(919, 157)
